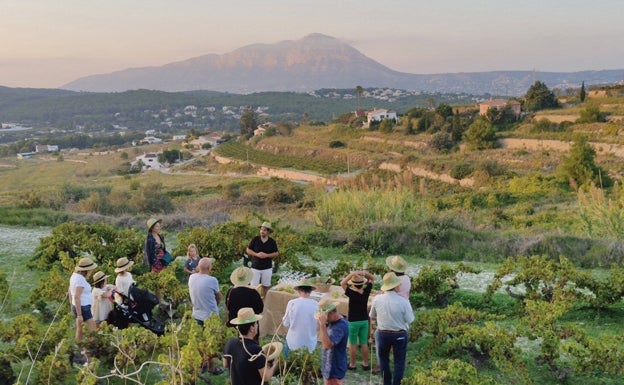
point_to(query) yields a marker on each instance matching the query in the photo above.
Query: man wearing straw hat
(398, 265)
(299, 319)
(333, 334)
(243, 356)
(262, 249)
(394, 315)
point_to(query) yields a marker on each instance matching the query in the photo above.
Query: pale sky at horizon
(46, 43)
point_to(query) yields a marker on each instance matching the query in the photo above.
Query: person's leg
(255, 279)
(363, 342)
(399, 352)
(353, 334)
(265, 280)
(384, 343)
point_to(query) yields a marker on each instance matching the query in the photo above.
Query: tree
(582, 93)
(386, 125)
(359, 91)
(590, 114)
(539, 97)
(580, 167)
(480, 135)
(248, 122)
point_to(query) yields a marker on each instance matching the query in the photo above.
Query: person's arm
(345, 281)
(369, 276)
(186, 269)
(218, 297)
(267, 371)
(326, 342)
(77, 302)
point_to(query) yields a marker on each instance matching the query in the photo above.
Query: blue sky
(47, 43)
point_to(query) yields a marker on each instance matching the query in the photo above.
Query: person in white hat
(241, 294)
(394, 315)
(243, 356)
(124, 279)
(299, 319)
(81, 296)
(398, 265)
(262, 249)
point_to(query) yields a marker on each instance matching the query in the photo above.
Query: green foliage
(582, 93)
(580, 168)
(302, 368)
(438, 284)
(248, 122)
(461, 170)
(600, 215)
(152, 199)
(591, 114)
(448, 372)
(480, 135)
(539, 97)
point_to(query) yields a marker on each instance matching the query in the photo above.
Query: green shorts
(358, 332)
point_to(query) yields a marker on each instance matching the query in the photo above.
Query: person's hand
(322, 318)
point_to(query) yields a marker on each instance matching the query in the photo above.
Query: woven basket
(323, 284)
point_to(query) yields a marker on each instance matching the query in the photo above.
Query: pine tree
(582, 93)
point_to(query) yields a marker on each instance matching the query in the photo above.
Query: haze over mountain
(319, 61)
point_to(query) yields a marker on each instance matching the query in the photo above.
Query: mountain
(319, 61)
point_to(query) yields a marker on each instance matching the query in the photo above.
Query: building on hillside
(377, 115)
(25, 155)
(46, 148)
(501, 104)
(149, 160)
(213, 138)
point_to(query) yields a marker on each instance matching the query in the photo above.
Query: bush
(462, 170)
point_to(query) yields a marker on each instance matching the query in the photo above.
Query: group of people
(391, 310)
(308, 321)
(92, 305)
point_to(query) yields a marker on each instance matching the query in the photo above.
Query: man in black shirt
(357, 287)
(262, 249)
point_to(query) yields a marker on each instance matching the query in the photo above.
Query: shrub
(461, 170)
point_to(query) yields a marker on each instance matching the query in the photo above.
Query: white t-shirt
(123, 283)
(101, 304)
(301, 324)
(78, 280)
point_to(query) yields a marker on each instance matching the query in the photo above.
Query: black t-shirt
(243, 371)
(358, 303)
(270, 246)
(240, 297)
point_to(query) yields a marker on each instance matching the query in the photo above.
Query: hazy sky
(47, 43)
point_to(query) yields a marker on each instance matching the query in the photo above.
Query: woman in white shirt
(80, 295)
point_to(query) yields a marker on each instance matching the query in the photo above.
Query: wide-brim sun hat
(85, 264)
(123, 264)
(245, 315)
(99, 277)
(272, 350)
(304, 282)
(152, 221)
(326, 305)
(241, 276)
(390, 281)
(267, 225)
(358, 280)
(396, 263)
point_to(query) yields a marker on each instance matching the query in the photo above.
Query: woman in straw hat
(299, 319)
(102, 293)
(80, 295)
(241, 294)
(243, 356)
(124, 279)
(394, 315)
(155, 248)
(398, 265)
(357, 286)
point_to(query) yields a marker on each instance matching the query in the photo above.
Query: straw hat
(358, 280)
(267, 225)
(98, 277)
(152, 221)
(123, 264)
(245, 315)
(272, 350)
(396, 263)
(326, 305)
(85, 264)
(241, 276)
(390, 281)
(304, 282)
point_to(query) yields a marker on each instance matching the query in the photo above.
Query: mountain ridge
(319, 61)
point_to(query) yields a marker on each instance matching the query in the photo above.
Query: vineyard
(242, 152)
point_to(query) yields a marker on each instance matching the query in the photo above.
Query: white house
(378, 115)
(150, 161)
